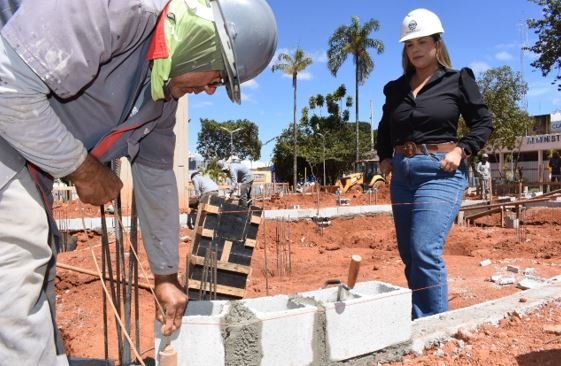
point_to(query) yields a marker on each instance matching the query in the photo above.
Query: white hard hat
(420, 23)
(222, 165)
(248, 35)
(484, 155)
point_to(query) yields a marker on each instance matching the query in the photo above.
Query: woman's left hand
(452, 160)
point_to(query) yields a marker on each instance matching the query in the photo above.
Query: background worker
(88, 82)
(203, 186)
(483, 169)
(418, 142)
(240, 177)
(555, 166)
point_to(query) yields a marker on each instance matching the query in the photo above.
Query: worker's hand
(173, 300)
(386, 166)
(452, 160)
(95, 183)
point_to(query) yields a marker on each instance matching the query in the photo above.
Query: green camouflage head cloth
(192, 43)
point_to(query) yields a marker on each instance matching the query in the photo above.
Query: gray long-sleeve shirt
(203, 184)
(239, 173)
(74, 72)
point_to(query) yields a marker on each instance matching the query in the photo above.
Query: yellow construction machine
(366, 177)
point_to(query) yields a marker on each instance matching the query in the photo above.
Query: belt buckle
(409, 149)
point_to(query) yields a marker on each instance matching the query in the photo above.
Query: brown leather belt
(410, 149)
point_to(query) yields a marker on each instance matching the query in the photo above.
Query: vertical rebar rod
(119, 269)
(104, 243)
(265, 257)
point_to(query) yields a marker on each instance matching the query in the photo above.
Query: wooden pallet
(227, 234)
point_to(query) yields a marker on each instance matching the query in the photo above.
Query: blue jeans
(425, 202)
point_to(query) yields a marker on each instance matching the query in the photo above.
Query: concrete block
(199, 341)
(485, 262)
(371, 316)
(287, 330)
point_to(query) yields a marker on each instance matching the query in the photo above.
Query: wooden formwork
(219, 261)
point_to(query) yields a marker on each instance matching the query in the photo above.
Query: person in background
(483, 169)
(83, 84)
(555, 166)
(203, 187)
(240, 178)
(418, 143)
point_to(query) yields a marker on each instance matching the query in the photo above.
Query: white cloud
(319, 56)
(536, 91)
(539, 88)
(247, 98)
(302, 75)
(503, 56)
(204, 104)
(479, 67)
(251, 84)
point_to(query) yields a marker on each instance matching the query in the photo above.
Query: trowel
(344, 288)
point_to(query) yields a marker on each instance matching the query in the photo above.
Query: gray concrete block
(199, 341)
(287, 330)
(371, 316)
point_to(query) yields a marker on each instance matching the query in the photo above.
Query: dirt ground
(301, 256)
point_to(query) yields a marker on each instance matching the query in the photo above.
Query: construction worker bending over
(240, 177)
(203, 187)
(84, 83)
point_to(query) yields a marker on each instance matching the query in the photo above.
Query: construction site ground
(300, 256)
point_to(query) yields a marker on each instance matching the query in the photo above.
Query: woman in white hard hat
(418, 143)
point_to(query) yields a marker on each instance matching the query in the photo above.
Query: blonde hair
(442, 56)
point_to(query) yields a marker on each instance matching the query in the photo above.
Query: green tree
(213, 141)
(339, 143)
(292, 65)
(320, 100)
(548, 47)
(503, 90)
(354, 40)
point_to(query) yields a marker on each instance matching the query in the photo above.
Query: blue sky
(479, 34)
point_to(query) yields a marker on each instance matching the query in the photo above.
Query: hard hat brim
(228, 53)
(411, 36)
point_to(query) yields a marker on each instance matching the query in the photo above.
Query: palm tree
(292, 65)
(354, 39)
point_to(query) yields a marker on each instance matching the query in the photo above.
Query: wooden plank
(211, 208)
(227, 266)
(250, 243)
(233, 291)
(226, 251)
(255, 219)
(205, 232)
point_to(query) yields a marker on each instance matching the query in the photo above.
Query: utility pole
(231, 132)
(323, 154)
(371, 128)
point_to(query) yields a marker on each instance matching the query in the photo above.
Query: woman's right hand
(386, 166)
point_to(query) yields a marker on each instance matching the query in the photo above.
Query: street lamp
(323, 154)
(231, 132)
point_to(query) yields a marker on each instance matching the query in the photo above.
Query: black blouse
(432, 116)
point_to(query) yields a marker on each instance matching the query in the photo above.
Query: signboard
(555, 122)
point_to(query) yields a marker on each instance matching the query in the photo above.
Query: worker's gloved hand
(173, 300)
(95, 183)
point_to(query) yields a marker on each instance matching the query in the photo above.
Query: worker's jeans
(26, 328)
(425, 202)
